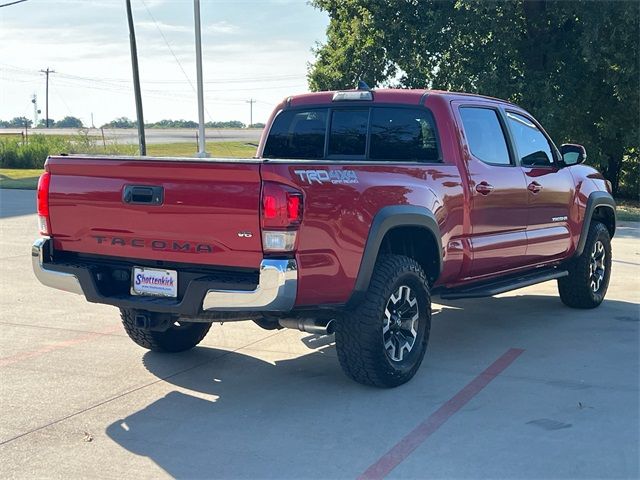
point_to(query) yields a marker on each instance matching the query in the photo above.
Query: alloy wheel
(597, 266)
(400, 329)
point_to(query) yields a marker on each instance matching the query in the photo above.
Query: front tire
(383, 341)
(588, 279)
(179, 337)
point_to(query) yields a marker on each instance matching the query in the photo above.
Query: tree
(121, 122)
(227, 124)
(42, 123)
(173, 124)
(69, 122)
(17, 122)
(573, 64)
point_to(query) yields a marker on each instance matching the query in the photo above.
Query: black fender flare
(386, 219)
(595, 200)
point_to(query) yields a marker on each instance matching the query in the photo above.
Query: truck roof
(389, 95)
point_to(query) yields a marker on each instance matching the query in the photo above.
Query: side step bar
(488, 289)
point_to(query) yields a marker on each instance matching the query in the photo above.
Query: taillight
(281, 216)
(43, 203)
(294, 207)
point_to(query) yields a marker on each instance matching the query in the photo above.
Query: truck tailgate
(208, 212)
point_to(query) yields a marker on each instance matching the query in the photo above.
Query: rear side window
(297, 134)
(532, 145)
(348, 134)
(403, 134)
(484, 135)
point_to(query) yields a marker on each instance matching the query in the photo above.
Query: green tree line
(573, 64)
(22, 122)
(124, 122)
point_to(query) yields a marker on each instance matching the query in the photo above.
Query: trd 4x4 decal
(327, 176)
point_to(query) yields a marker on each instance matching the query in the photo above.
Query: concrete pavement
(80, 400)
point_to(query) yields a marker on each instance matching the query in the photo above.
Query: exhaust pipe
(319, 326)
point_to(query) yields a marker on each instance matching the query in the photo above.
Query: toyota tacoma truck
(359, 206)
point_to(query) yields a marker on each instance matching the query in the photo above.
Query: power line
(57, 92)
(235, 79)
(177, 61)
(12, 3)
(168, 45)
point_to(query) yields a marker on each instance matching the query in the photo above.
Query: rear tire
(180, 336)
(588, 279)
(382, 341)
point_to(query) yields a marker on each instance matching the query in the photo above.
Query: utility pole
(47, 72)
(251, 102)
(201, 138)
(136, 81)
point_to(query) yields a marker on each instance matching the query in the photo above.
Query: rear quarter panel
(338, 216)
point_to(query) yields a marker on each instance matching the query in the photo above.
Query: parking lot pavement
(80, 400)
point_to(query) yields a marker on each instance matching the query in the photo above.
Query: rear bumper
(49, 277)
(275, 291)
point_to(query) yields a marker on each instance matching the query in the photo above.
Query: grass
(628, 210)
(19, 178)
(28, 178)
(215, 149)
(182, 149)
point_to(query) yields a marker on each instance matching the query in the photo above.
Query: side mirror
(573, 154)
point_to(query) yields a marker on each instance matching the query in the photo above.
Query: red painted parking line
(401, 450)
(19, 357)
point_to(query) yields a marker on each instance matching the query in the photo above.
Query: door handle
(534, 187)
(484, 188)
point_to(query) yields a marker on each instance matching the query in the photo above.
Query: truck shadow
(15, 203)
(236, 416)
(627, 229)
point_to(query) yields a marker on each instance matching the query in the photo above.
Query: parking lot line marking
(19, 357)
(401, 450)
(119, 332)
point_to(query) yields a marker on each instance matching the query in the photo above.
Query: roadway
(129, 136)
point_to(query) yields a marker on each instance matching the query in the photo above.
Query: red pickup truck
(358, 207)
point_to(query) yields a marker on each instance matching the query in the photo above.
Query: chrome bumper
(276, 290)
(62, 281)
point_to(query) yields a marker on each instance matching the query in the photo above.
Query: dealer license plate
(156, 282)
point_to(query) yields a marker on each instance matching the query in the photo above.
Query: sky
(252, 49)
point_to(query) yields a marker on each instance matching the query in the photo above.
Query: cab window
(533, 147)
(359, 133)
(348, 135)
(403, 134)
(484, 134)
(297, 134)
